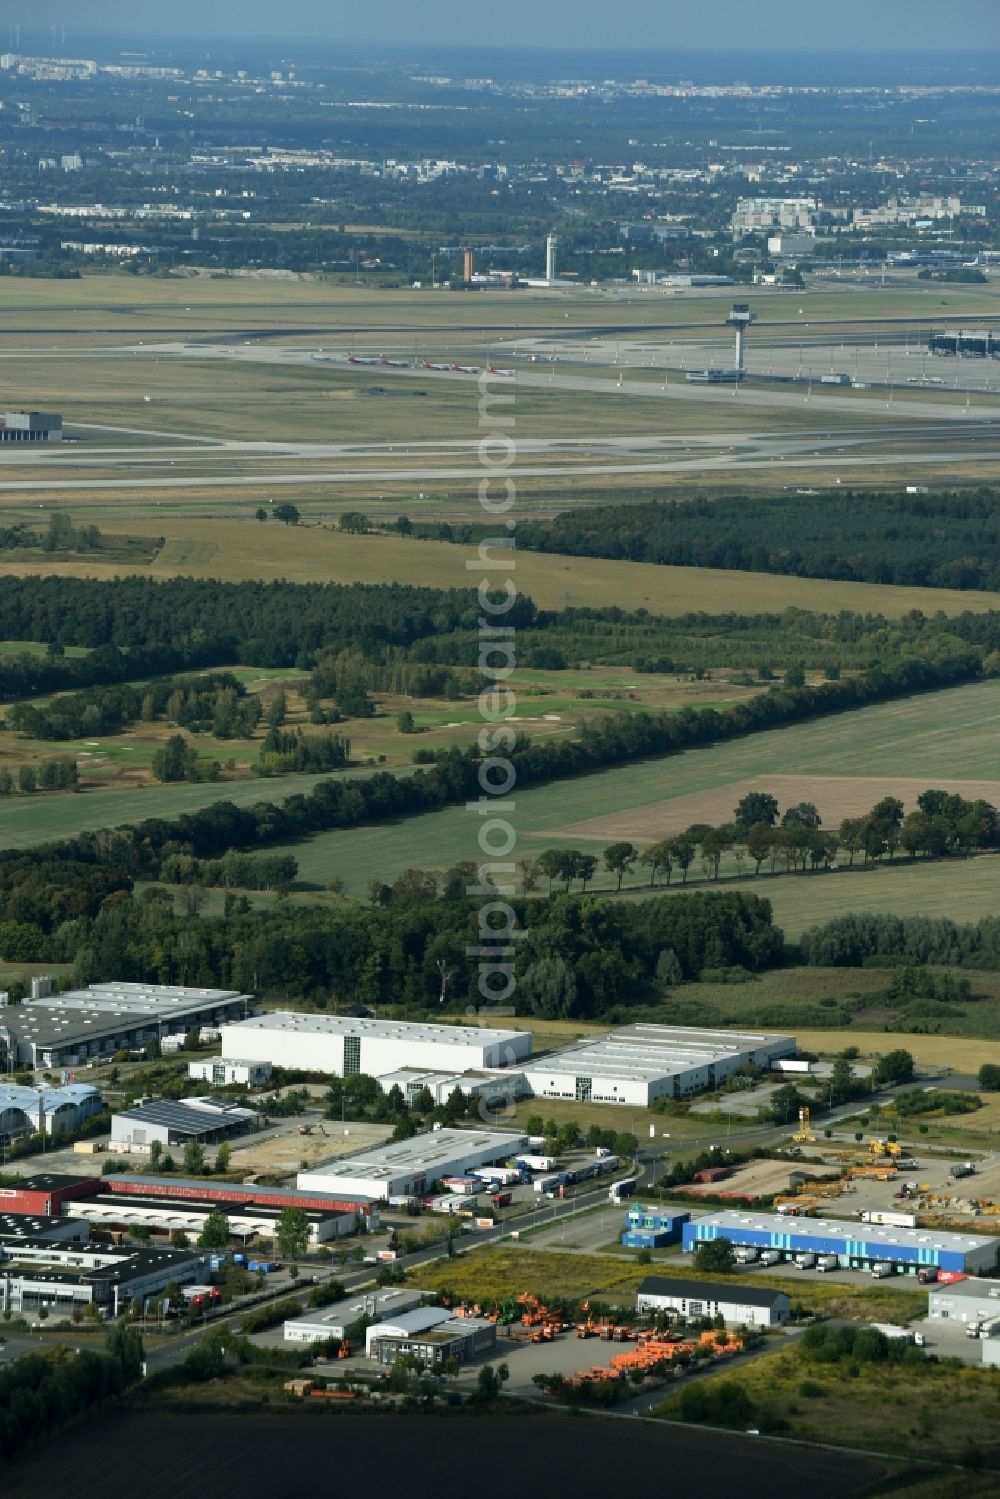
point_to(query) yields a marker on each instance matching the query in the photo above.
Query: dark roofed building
(738, 1304)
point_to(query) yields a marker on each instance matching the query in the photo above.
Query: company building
(81, 1025)
(344, 1045)
(641, 1063)
(496, 1085)
(857, 1246)
(409, 1168)
(652, 1228)
(206, 1120)
(167, 1215)
(738, 1305)
(338, 1320)
(16, 1227)
(227, 1072)
(47, 1194)
(37, 1275)
(965, 1301)
(31, 426)
(229, 1195)
(48, 1111)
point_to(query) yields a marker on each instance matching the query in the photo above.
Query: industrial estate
(499, 812)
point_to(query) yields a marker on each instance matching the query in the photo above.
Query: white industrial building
(738, 1305)
(345, 1045)
(496, 1084)
(964, 1301)
(47, 1111)
(409, 1168)
(643, 1062)
(225, 1072)
(337, 1320)
(173, 1215)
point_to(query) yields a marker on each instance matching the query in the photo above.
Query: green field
(498, 1272)
(27, 820)
(231, 550)
(934, 738)
(924, 1397)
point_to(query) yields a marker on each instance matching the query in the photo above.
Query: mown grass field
(231, 550)
(110, 301)
(508, 1270)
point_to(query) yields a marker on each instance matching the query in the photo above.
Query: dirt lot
(761, 1179)
(284, 1153)
(836, 797)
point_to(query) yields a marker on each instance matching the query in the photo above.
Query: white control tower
(550, 257)
(740, 318)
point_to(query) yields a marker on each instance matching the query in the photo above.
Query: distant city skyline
(726, 25)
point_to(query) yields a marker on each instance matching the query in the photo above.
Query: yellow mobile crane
(804, 1134)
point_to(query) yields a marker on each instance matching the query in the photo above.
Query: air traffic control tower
(740, 318)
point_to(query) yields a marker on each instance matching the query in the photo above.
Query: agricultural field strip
(232, 550)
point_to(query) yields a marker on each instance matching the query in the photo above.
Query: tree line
(853, 940)
(414, 639)
(946, 540)
(454, 777)
(215, 703)
(40, 1392)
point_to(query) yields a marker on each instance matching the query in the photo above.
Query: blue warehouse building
(858, 1246)
(652, 1227)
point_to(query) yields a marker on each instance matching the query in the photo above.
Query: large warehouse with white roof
(409, 1168)
(344, 1045)
(639, 1063)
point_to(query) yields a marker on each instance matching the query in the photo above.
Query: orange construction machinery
(536, 1315)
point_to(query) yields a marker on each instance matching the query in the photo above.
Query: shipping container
(537, 1162)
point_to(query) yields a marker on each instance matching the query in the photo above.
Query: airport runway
(920, 431)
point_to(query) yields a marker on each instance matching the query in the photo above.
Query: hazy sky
(765, 25)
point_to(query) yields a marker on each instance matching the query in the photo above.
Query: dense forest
(576, 958)
(413, 639)
(941, 540)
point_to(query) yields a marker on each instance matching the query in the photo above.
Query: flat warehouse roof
(979, 1289)
(438, 1148)
(827, 1228)
(289, 1021)
(641, 1053)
